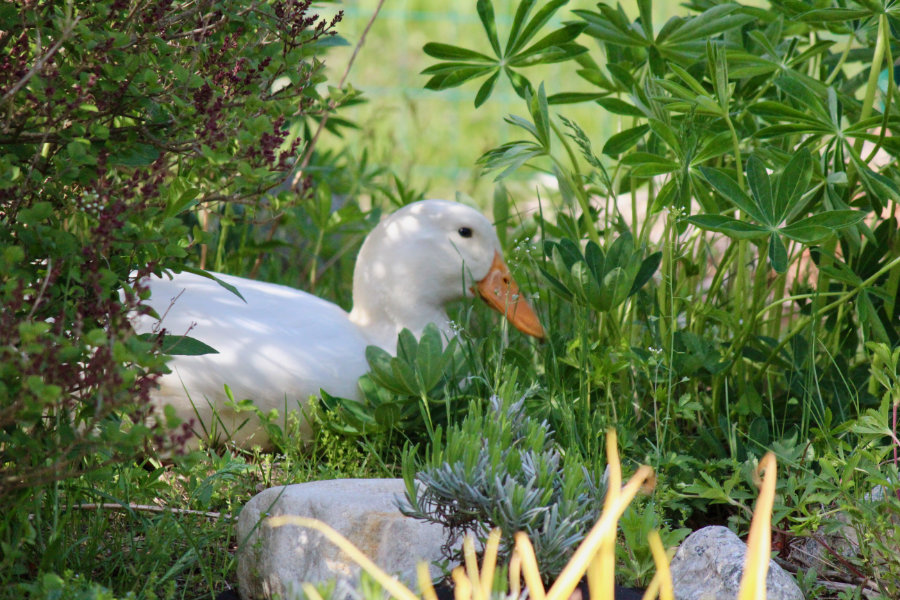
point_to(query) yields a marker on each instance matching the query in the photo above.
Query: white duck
(282, 345)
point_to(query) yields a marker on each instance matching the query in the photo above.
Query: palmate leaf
(793, 182)
(730, 190)
(612, 27)
(559, 38)
(539, 20)
(462, 64)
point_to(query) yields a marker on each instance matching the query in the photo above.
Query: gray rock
(709, 563)
(277, 560)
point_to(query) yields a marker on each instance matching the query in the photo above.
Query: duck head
(423, 256)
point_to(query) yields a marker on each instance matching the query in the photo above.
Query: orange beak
(501, 292)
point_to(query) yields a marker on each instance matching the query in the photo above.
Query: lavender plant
(501, 468)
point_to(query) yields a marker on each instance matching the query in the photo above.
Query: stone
(709, 563)
(275, 561)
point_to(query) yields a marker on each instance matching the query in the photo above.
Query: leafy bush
(124, 126)
(757, 155)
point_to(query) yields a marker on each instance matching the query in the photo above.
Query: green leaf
(405, 376)
(729, 226)
(777, 254)
(808, 99)
(709, 23)
(429, 357)
(667, 134)
(609, 27)
(880, 188)
(572, 97)
(184, 201)
(456, 77)
(595, 259)
(179, 345)
(486, 14)
(818, 227)
(519, 82)
(648, 267)
(761, 188)
(830, 15)
(794, 181)
(484, 92)
(453, 53)
(689, 79)
(136, 155)
(649, 165)
(559, 38)
(731, 191)
(616, 286)
(209, 275)
(541, 116)
(619, 107)
(624, 140)
(522, 13)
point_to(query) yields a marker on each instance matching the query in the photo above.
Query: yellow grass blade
(426, 589)
(515, 574)
(530, 567)
(663, 575)
(604, 563)
(462, 587)
(652, 590)
(471, 560)
(759, 542)
(311, 592)
(489, 564)
(393, 587)
(568, 579)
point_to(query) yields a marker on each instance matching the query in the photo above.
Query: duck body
(280, 346)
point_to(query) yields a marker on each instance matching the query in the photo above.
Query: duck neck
(383, 322)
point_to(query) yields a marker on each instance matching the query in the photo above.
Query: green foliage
(462, 64)
(755, 169)
(410, 393)
(136, 137)
(600, 280)
(503, 468)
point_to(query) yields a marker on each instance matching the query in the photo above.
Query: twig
(39, 63)
(295, 179)
(865, 590)
(299, 169)
(40, 296)
(150, 508)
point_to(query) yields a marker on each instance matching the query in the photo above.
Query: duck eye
(465, 232)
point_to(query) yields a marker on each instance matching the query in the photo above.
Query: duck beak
(501, 292)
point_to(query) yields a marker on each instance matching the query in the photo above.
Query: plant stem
(577, 186)
(843, 298)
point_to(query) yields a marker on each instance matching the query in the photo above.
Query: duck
(279, 346)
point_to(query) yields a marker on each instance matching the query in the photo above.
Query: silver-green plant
(501, 468)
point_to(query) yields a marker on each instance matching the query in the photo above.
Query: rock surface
(276, 561)
(709, 564)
